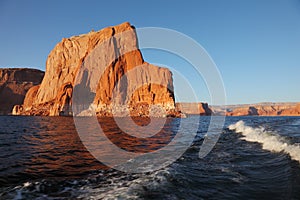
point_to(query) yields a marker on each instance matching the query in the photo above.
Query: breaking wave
(270, 140)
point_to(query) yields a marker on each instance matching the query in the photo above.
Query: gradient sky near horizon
(254, 43)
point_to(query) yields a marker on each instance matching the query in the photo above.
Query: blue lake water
(255, 158)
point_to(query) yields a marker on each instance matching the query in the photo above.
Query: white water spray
(269, 140)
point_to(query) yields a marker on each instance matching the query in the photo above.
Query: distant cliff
(14, 83)
(271, 109)
(54, 95)
(194, 108)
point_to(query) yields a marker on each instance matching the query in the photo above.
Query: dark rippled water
(255, 158)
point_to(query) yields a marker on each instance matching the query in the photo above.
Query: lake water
(255, 158)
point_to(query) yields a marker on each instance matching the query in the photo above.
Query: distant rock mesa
(53, 97)
(14, 83)
(194, 108)
(266, 110)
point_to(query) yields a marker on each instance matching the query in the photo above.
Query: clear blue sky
(254, 43)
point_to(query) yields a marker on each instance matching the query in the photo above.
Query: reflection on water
(43, 147)
(133, 144)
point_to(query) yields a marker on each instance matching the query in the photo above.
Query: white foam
(269, 140)
(118, 189)
(27, 184)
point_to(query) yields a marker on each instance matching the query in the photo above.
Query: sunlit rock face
(194, 108)
(266, 110)
(127, 81)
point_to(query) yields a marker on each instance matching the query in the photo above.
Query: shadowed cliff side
(14, 83)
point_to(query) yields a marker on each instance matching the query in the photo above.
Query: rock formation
(194, 108)
(65, 63)
(294, 111)
(14, 83)
(266, 110)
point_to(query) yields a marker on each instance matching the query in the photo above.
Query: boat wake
(270, 140)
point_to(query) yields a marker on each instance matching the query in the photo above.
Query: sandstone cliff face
(294, 111)
(54, 95)
(266, 110)
(298, 108)
(14, 83)
(194, 108)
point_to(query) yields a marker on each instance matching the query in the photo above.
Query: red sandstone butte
(53, 96)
